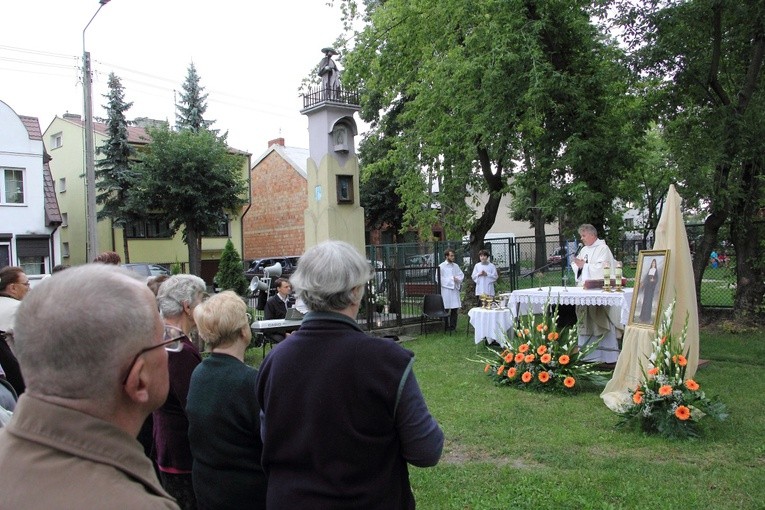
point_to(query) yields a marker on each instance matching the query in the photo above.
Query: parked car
(257, 266)
(148, 270)
(421, 267)
(557, 256)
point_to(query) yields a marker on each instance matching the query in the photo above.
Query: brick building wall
(274, 224)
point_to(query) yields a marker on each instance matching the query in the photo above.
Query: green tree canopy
(115, 176)
(191, 178)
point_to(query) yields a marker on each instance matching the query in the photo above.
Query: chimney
(276, 141)
(72, 116)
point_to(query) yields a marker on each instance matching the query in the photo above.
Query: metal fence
(405, 272)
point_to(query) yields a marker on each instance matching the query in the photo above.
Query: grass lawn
(507, 448)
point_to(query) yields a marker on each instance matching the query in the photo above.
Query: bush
(230, 275)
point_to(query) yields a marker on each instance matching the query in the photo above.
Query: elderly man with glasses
(90, 343)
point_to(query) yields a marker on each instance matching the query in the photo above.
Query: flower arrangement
(537, 357)
(666, 402)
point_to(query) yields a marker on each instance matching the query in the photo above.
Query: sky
(251, 57)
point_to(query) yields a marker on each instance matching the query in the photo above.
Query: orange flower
(663, 340)
(508, 357)
(543, 377)
(541, 327)
(545, 358)
(486, 368)
(553, 336)
(653, 371)
(529, 358)
(665, 390)
(519, 358)
(691, 385)
(680, 360)
(526, 377)
(563, 360)
(511, 372)
(541, 349)
(682, 413)
(637, 398)
(569, 382)
(500, 370)
(504, 353)
(519, 334)
(523, 348)
(526, 331)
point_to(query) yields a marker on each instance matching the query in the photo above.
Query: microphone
(578, 249)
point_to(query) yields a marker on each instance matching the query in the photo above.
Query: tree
(704, 59)
(193, 104)
(230, 274)
(483, 90)
(115, 176)
(191, 179)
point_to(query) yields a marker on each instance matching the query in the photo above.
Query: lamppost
(90, 152)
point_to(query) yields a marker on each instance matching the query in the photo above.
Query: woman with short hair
(342, 413)
(224, 422)
(177, 297)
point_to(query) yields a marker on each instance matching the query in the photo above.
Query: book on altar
(598, 284)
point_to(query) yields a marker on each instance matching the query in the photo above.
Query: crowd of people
(120, 410)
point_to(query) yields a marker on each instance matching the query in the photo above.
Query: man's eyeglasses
(174, 345)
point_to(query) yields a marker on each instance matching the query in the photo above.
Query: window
(62, 185)
(56, 141)
(33, 253)
(65, 250)
(221, 229)
(629, 223)
(12, 186)
(64, 219)
(150, 228)
(344, 189)
(5, 252)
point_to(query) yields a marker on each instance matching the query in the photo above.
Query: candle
(618, 276)
(606, 277)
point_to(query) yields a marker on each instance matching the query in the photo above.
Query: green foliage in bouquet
(665, 402)
(538, 357)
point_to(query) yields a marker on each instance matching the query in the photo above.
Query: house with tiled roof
(274, 223)
(29, 213)
(149, 241)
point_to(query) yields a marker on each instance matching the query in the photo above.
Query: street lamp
(90, 152)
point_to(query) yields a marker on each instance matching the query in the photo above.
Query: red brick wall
(274, 224)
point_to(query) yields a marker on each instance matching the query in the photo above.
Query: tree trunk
(708, 242)
(194, 242)
(125, 245)
(747, 234)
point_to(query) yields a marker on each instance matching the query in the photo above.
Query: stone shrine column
(334, 210)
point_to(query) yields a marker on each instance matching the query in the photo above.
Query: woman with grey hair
(177, 297)
(341, 411)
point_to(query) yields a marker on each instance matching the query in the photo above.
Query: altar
(618, 314)
(491, 324)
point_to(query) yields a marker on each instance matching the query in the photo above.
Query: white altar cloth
(490, 324)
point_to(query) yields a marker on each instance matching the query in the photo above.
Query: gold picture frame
(648, 294)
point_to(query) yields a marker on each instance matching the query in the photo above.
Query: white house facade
(29, 213)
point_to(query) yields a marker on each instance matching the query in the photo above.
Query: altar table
(537, 298)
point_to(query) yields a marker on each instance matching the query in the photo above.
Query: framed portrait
(648, 295)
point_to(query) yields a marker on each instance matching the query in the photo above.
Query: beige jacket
(55, 457)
